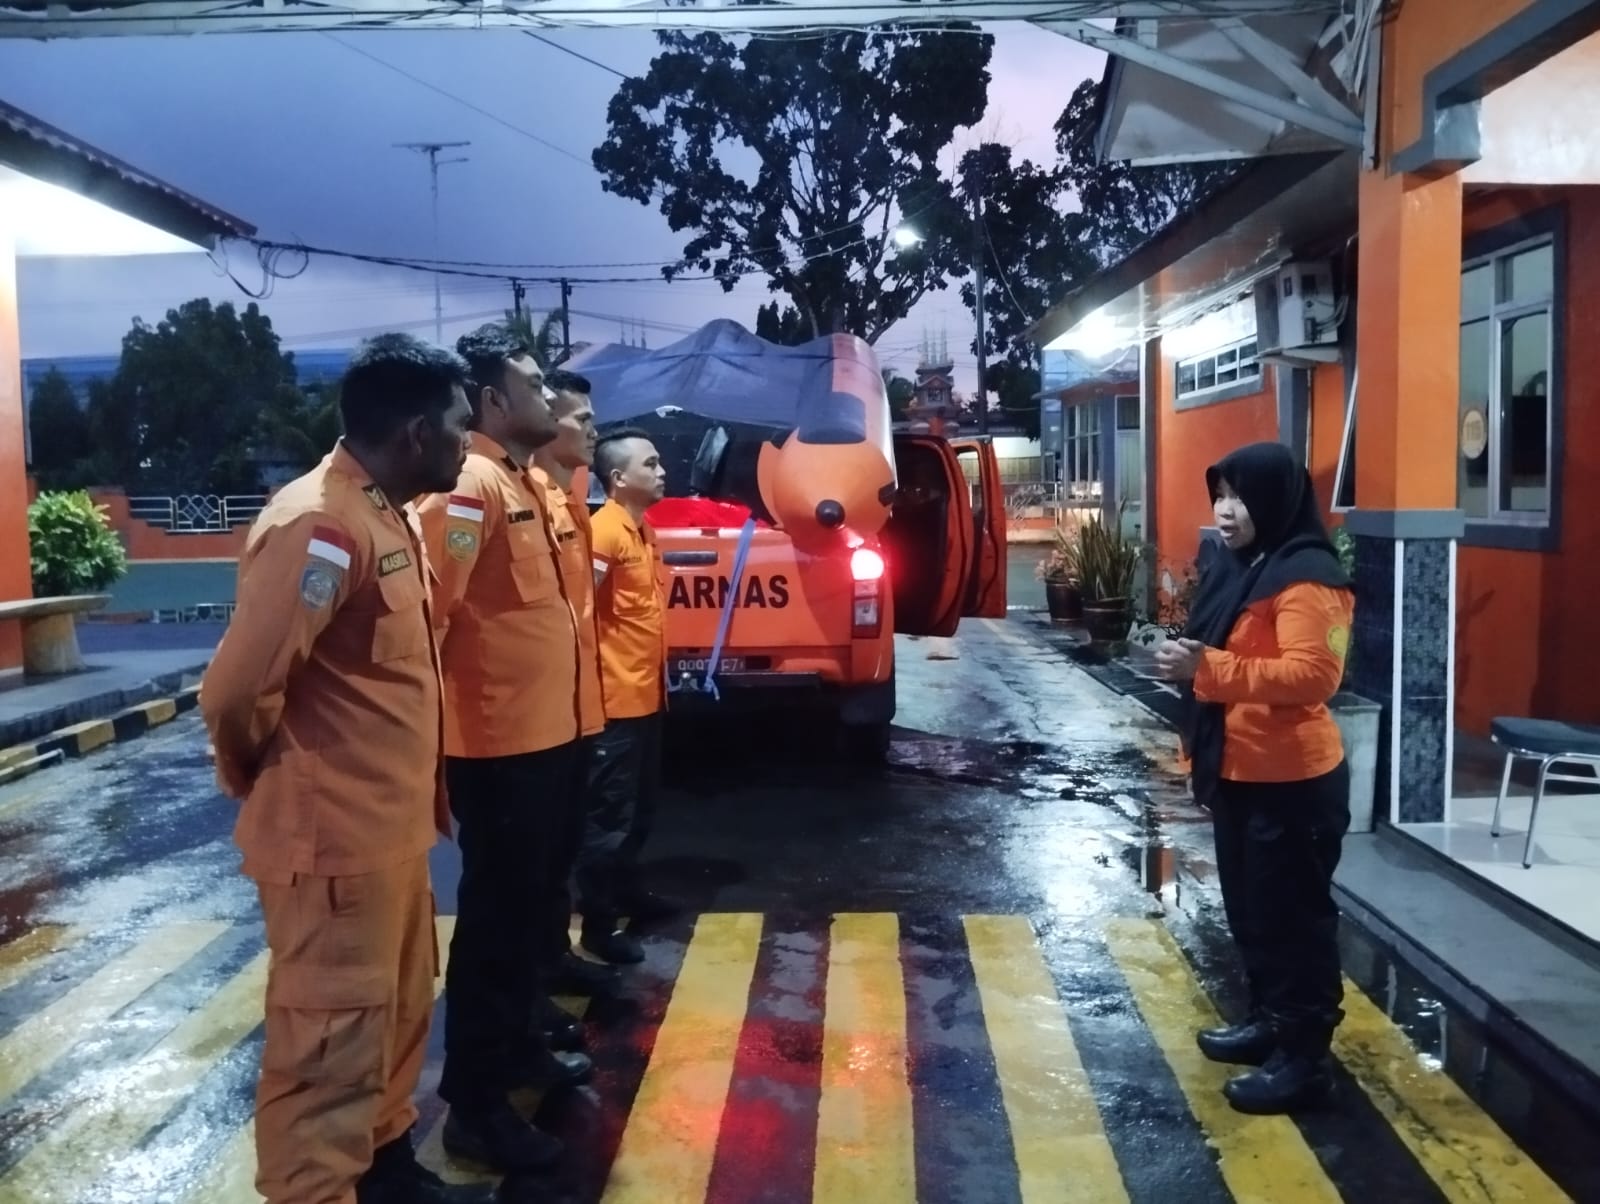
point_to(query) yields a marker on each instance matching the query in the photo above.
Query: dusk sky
(294, 133)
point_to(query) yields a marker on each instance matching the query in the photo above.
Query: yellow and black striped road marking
(81, 739)
(870, 1058)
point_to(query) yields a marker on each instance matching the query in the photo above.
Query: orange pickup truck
(799, 533)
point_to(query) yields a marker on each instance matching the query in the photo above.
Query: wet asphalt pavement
(973, 978)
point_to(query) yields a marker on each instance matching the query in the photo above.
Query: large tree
(58, 431)
(793, 158)
(1124, 205)
(198, 384)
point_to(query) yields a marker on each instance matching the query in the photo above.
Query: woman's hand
(1179, 660)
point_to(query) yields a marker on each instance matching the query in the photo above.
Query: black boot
(1289, 1081)
(1247, 1044)
(576, 975)
(496, 1137)
(615, 946)
(559, 1028)
(396, 1177)
(645, 905)
(547, 1069)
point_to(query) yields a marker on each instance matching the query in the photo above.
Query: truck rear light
(866, 565)
(866, 618)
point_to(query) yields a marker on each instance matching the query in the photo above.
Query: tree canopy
(793, 158)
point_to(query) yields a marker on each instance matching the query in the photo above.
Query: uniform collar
(342, 462)
(642, 528)
(486, 446)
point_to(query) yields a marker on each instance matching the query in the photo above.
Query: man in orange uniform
(625, 765)
(556, 464)
(509, 647)
(323, 704)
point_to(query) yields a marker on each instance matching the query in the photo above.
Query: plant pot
(1108, 619)
(1065, 601)
(1357, 718)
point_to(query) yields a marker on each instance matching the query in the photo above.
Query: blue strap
(745, 535)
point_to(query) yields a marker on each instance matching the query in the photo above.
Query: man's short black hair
(608, 454)
(487, 350)
(562, 381)
(393, 378)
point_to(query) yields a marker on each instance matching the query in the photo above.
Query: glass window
(1504, 415)
(1185, 379)
(1477, 290)
(1218, 369)
(1128, 418)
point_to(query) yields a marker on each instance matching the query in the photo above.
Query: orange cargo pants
(349, 999)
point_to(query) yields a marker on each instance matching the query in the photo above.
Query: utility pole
(432, 149)
(978, 282)
(518, 292)
(566, 320)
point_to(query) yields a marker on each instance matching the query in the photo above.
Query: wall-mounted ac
(1297, 314)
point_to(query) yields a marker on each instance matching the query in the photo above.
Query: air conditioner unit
(1297, 314)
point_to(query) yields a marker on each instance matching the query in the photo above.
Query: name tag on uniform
(520, 516)
(393, 562)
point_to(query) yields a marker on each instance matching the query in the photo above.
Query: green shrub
(74, 549)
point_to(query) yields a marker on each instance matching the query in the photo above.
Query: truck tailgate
(786, 600)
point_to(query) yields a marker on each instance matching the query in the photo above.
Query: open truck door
(986, 594)
(946, 555)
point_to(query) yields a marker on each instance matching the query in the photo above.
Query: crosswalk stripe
(133, 1098)
(231, 1178)
(671, 1138)
(1057, 1132)
(18, 957)
(1263, 1160)
(1460, 1148)
(46, 1035)
(865, 1147)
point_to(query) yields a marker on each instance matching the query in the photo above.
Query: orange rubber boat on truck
(798, 526)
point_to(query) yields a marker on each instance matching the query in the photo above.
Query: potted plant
(1107, 563)
(1357, 717)
(1060, 573)
(73, 548)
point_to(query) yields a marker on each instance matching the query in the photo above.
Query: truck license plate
(697, 664)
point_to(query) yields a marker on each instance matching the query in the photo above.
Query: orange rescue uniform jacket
(1284, 660)
(630, 612)
(507, 636)
(323, 700)
(575, 553)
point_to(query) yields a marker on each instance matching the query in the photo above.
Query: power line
(554, 45)
(461, 100)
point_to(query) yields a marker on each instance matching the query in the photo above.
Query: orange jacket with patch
(323, 700)
(507, 637)
(630, 613)
(1283, 662)
(575, 552)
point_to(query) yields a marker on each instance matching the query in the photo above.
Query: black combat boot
(560, 1028)
(1296, 1078)
(396, 1177)
(498, 1138)
(575, 975)
(1247, 1044)
(613, 946)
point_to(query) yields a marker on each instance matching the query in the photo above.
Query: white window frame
(1246, 367)
(1498, 314)
(1342, 474)
(1082, 469)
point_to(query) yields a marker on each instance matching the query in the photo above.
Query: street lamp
(906, 237)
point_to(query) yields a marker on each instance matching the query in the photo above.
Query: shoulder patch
(375, 496)
(318, 584)
(461, 542)
(393, 562)
(1339, 640)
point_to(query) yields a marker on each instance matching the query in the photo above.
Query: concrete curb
(42, 724)
(84, 737)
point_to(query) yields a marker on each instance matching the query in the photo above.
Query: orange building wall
(1419, 36)
(1327, 430)
(16, 575)
(145, 542)
(1524, 621)
(1187, 443)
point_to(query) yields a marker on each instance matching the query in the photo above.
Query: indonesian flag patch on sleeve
(332, 545)
(463, 507)
(328, 556)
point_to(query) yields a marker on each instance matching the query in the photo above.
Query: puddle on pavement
(1554, 1119)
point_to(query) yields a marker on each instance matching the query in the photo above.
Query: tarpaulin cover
(722, 372)
(678, 513)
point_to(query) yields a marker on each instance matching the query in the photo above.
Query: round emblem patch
(1339, 641)
(317, 586)
(461, 542)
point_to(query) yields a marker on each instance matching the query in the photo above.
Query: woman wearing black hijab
(1260, 658)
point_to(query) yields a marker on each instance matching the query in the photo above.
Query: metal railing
(196, 511)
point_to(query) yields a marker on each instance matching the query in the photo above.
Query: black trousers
(624, 779)
(516, 820)
(1277, 845)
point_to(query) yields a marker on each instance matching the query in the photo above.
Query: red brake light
(866, 565)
